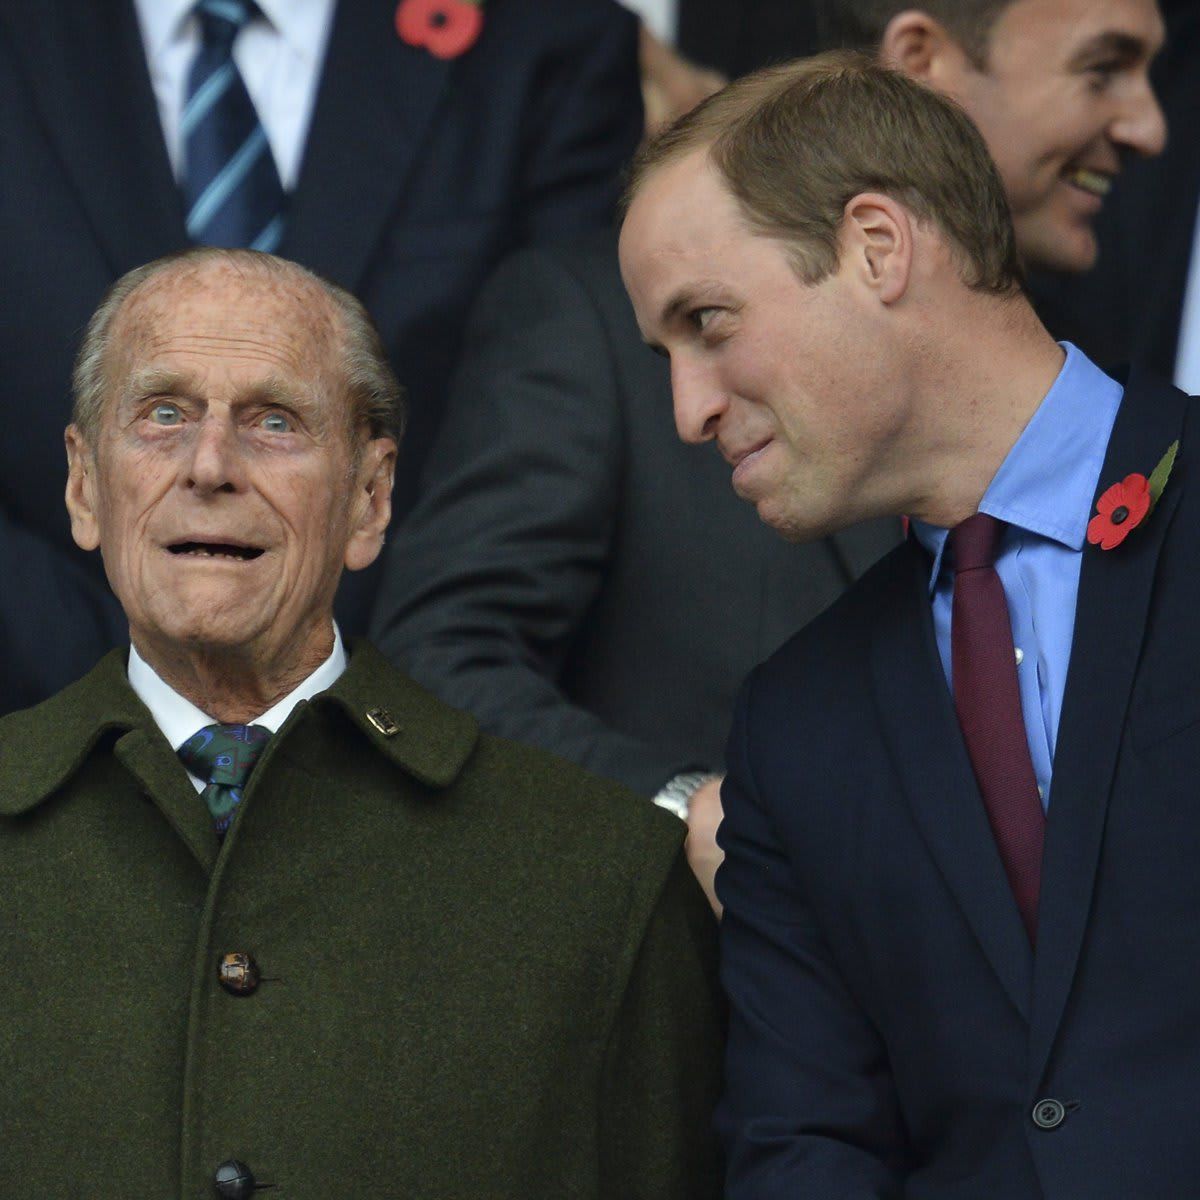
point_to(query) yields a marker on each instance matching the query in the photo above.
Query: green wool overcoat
(484, 973)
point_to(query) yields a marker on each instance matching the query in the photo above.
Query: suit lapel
(84, 62)
(1115, 588)
(922, 734)
(375, 102)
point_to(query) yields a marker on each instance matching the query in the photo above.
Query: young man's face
(1062, 98)
(787, 378)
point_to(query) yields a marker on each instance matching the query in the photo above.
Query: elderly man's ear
(81, 490)
(372, 503)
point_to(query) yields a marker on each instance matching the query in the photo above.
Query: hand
(671, 85)
(703, 854)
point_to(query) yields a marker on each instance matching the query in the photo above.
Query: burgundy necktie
(988, 700)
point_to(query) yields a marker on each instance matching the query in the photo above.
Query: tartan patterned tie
(231, 188)
(987, 698)
(224, 756)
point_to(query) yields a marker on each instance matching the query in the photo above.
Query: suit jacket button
(238, 974)
(234, 1180)
(1049, 1114)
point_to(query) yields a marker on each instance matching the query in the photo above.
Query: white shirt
(179, 718)
(660, 16)
(279, 59)
(1187, 357)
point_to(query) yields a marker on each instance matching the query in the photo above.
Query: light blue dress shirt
(1043, 491)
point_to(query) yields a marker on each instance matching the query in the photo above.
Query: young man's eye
(702, 317)
(276, 422)
(166, 414)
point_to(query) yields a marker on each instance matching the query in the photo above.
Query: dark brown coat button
(234, 1180)
(238, 974)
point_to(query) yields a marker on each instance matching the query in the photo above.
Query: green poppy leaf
(1161, 473)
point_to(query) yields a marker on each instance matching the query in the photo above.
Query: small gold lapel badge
(383, 721)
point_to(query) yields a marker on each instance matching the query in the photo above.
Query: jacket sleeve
(810, 1107)
(489, 580)
(55, 620)
(662, 1061)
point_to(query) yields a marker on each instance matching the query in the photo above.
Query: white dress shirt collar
(301, 23)
(179, 718)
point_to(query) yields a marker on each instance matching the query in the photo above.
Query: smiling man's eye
(166, 414)
(276, 422)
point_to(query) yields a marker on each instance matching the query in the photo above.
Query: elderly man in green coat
(273, 917)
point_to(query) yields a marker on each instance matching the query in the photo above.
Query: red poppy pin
(446, 28)
(1125, 505)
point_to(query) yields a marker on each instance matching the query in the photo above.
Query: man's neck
(980, 395)
(232, 684)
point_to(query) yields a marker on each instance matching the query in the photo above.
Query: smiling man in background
(1059, 89)
(280, 918)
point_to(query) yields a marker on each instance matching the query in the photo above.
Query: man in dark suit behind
(392, 957)
(413, 175)
(1131, 307)
(960, 889)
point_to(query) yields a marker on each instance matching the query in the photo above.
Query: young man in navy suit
(960, 822)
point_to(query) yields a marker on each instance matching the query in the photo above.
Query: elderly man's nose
(215, 461)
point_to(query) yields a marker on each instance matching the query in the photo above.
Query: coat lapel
(922, 734)
(1115, 588)
(375, 102)
(84, 62)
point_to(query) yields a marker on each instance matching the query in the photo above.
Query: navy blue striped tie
(230, 185)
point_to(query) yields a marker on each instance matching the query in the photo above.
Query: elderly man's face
(223, 490)
(1062, 99)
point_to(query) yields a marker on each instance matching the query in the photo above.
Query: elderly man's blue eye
(276, 423)
(165, 414)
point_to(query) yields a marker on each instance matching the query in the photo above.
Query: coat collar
(42, 748)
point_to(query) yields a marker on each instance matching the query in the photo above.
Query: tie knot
(973, 542)
(224, 754)
(222, 20)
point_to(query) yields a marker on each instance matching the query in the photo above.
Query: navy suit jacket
(891, 1028)
(417, 176)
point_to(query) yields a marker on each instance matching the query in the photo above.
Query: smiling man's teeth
(1091, 181)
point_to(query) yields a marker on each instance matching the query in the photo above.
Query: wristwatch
(676, 795)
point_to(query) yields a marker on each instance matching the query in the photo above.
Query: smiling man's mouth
(1093, 182)
(215, 550)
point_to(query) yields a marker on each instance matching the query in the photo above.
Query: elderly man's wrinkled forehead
(214, 307)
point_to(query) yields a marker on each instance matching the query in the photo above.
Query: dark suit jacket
(574, 574)
(417, 176)
(891, 1027)
(1128, 307)
(737, 36)
(473, 985)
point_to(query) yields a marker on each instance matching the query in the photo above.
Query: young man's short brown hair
(795, 143)
(860, 24)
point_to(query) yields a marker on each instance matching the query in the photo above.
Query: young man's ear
(81, 490)
(877, 239)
